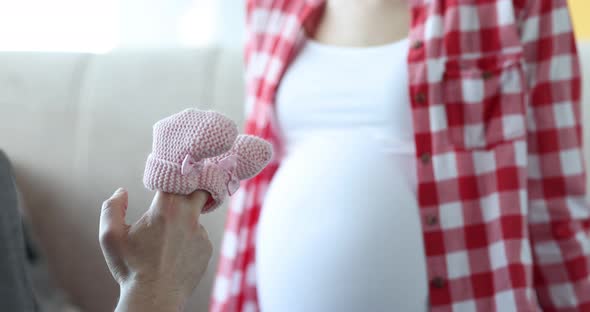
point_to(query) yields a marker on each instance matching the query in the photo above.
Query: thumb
(113, 230)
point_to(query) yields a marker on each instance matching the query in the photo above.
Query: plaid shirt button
(417, 45)
(486, 75)
(425, 158)
(420, 98)
(438, 282)
(431, 220)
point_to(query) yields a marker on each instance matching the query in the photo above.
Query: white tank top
(332, 90)
(339, 228)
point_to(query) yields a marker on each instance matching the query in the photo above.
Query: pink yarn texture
(250, 153)
(201, 150)
(192, 134)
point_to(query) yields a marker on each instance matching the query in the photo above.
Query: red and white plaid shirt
(495, 99)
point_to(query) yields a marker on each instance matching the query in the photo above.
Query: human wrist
(142, 297)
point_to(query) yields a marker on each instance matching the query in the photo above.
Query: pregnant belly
(340, 218)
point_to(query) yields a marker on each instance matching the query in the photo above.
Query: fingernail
(120, 190)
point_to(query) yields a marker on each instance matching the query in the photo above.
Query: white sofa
(77, 126)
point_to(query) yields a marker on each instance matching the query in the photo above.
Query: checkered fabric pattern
(495, 96)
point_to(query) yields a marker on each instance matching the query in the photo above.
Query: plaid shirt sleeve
(558, 211)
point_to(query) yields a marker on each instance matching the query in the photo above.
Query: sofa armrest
(16, 293)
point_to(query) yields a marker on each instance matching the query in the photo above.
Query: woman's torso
(476, 82)
(342, 205)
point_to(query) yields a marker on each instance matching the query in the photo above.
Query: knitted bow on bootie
(201, 150)
(223, 173)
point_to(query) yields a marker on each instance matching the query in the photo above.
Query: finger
(175, 207)
(112, 229)
(194, 203)
(204, 231)
(208, 245)
(164, 204)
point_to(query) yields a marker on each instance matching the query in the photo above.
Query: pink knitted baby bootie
(222, 174)
(181, 142)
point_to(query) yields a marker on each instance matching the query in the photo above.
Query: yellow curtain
(580, 10)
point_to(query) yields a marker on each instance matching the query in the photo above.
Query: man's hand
(159, 260)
